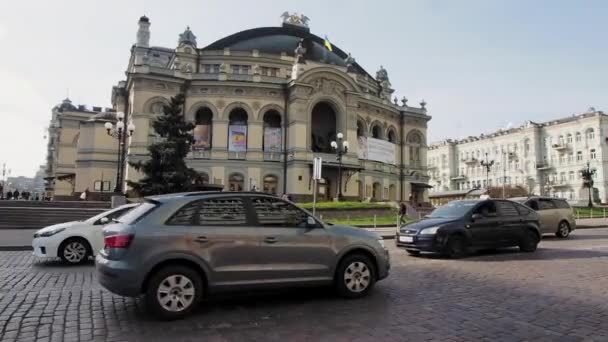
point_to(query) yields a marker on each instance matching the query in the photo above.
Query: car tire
(355, 276)
(412, 252)
(563, 230)
(173, 292)
(74, 251)
(455, 248)
(529, 243)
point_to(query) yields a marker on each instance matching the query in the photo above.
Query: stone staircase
(39, 214)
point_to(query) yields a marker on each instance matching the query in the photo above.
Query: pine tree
(166, 171)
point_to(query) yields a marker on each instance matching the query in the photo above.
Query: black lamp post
(3, 180)
(119, 132)
(587, 175)
(488, 165)
(341, 148)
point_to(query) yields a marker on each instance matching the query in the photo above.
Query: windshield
(453, 210)
(137, 212)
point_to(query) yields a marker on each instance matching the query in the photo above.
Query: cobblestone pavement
(559, 293)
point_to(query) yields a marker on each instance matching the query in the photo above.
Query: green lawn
(586, 212)
(366, 221)
(344, 205)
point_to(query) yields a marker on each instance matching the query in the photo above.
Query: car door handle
(270, 239)
(201, 239)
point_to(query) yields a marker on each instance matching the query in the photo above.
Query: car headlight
(381, 242)
(51, 232)
(429, 231)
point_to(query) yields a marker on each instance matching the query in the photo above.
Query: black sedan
(460, 226)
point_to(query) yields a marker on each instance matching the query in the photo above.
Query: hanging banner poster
(273, 139)
(237, 138)
(380, 150)
(202, 137)
(362, 151)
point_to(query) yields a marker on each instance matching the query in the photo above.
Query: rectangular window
(185, 215)
(222, 212)
(571, 176)
(562, 158)
(272, 212)
(101, 186)
(210, 68)
(240, 69)
(569, 138)
(592, 154)
(570, 157)
(268, 71)
(578, 137)
(579, 156)
(544, 204)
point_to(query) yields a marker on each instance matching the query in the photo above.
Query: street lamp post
(587, 175)
(341, 148)
(488, 165)
(4, 173)
(119, 132)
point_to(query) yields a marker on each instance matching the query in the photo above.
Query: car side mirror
(476, 217)
(104, 220)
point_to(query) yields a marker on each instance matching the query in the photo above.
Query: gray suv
(177, 249)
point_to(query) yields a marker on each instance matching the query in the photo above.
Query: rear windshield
(453, 210)
(136, 213)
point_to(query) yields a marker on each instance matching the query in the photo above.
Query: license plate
(406, 239)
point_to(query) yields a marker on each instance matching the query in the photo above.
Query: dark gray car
(177, 249)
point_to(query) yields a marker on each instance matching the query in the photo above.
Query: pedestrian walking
(16, 194)
(84, 194)
(402, 213)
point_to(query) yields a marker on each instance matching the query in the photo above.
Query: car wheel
(529, 242)
(173, 292)
(455, 248)
(563, 230)
(412, 252)
(74, 251)
(355, 276)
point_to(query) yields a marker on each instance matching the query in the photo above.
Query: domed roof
(285, 39)
(66, 105)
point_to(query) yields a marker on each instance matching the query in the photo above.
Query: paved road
(559, 293)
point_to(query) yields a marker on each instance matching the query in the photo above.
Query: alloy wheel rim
(175, 293)
(74, 252)
(357, 276)
(563, 229)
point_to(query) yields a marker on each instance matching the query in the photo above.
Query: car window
(118, 213)
(487, 209)
(273, 212)
(544, 204)
(222, 211)
(533, 204)
(453, 209)
(562, 204)
(138, 212)
(185, 215)
(523, 210)
(507, 208)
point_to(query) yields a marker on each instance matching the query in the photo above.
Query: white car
(75, 241)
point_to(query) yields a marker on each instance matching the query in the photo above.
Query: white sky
(479, 64)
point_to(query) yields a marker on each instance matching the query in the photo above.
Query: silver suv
(555, 214)
(177, 249)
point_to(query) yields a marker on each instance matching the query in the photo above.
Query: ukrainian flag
(328, 44)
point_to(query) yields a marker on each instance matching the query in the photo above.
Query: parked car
(179, 248)
(75, 241)
(556, 216)
(460, 226)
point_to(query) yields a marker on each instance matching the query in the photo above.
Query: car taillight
(118, 241)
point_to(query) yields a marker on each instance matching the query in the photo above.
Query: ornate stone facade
(285, 80)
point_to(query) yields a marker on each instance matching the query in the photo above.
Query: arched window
(376, 132)
(578, 136)
(323, 127)
(237, 130)
(157, 107)
(590, 134)
(569, 138)
(236, 182)
(203, 128)
(271, 184)
(414, 140)
(392, 136)
(360, 128)
(273, 136)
